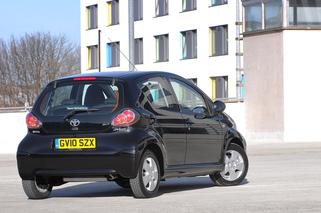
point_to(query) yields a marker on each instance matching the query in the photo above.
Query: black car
(134, 128)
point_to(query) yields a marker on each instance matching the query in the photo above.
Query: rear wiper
(72, 113)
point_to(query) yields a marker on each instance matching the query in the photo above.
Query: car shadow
(111, 189)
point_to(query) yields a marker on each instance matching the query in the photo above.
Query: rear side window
(67, 96)
(157, 94)
(187, 97)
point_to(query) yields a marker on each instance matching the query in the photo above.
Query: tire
(236, 167)
(146, 184)
(124, 183)
(36, 191)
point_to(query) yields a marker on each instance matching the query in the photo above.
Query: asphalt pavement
(282, 178)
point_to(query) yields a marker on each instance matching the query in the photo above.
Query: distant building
(282, 64)
(198, 39)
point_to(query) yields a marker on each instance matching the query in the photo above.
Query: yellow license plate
(75, 143)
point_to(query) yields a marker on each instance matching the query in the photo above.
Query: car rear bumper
(31, 165)
(115, 155)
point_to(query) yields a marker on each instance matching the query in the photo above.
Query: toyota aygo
(134, 128)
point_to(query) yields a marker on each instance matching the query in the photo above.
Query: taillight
(125, 118)
(85, 78)
(33, 122)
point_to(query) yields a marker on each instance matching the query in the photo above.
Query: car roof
(120, 74)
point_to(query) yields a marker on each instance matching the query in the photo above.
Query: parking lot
(281, 178)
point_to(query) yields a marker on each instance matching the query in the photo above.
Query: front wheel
(235, 169)
(146, 184)
(34, 190)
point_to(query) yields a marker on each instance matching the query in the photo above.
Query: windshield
(103, 96)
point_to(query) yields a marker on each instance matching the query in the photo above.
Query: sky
(59, 17)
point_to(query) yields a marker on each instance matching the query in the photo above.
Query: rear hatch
(79, 105)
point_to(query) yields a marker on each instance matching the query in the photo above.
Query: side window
(187, 97)
(156, 92)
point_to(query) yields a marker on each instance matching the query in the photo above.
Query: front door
(205, 137)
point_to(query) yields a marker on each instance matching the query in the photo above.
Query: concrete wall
(302, 85)
(283, 72)
(13, 129)
(202, 68)
(263, 65)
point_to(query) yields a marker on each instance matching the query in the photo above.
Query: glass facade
(273, 14)
(304, 12)
(268, 14)
(253, 17)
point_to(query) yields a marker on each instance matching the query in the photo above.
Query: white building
(197, 39)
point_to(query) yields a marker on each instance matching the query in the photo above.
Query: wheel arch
(159, 155)
(157, 148)
(234, 137)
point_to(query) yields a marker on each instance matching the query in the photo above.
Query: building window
(273, 14)
(92, 57)
(188, 5)
(139, 51)
(161, 48)
(304, 12)
(138, 10)
(218, 2)
(219, 87)
(218, 40)
(193, 80)
(92, 17)
(112, 12)
(189, 44)
(113, 54)
(161, 8)
(253, 17)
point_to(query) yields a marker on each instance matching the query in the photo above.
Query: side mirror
(219, 107)
(200, 112)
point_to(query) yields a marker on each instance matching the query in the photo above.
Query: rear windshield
(102, 96)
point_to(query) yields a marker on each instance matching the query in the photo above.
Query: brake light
(84, 78)
(33, 122)
(126, 118)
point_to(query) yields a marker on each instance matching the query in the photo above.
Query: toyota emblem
(74, 122)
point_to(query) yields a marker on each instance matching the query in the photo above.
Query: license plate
(75, 143)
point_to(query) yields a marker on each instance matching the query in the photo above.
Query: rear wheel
(34, 190)
(146, 184)
(235, 169)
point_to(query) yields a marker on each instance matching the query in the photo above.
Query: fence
(15, 109)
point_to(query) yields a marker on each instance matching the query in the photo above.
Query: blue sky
(18, 17)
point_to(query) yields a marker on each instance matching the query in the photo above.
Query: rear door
(205, 137)
(159, 100)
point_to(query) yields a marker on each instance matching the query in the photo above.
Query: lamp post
(131, 37)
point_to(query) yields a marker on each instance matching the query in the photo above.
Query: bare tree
(28, 63)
